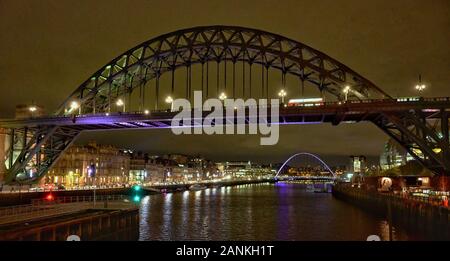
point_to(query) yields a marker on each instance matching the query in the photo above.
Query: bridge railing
(40, 207)
(401, 196)
(401, 100)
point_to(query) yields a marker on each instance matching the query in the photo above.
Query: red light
(49, 197)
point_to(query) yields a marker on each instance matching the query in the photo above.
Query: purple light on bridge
(142, 124)
(127, 124)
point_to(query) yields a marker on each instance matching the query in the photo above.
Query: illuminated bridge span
(131, 91)
(307, 154)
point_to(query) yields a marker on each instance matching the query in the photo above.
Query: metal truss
(426, 138)
(200, 45)
(37, 143)
(34, 150)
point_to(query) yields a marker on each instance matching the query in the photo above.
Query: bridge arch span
(308, 154)
(217, 43)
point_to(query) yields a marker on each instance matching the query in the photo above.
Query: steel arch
(308, 154)
(217, 43)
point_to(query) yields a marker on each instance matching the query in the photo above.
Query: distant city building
(358, 164)
(306, 171)
(108, 166)
(240, 169)
(91, 164)
(393, 155)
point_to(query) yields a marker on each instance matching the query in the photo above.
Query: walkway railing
(401, 196)
(44, 207)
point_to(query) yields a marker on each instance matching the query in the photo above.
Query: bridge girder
(200, 45)
(426, 139)
(420, 131)
(37, 145)
(33, 151)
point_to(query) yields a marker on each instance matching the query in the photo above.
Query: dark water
(279, 211)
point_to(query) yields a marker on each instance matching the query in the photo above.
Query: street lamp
(420, 86)
(146, 112)
(32, 109)
(282, 94)
(120, 103)
(75, 105)
(346, 90)
(222, 96)
(170, 100)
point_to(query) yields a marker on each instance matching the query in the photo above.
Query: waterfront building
(358, 164)
(91, 164)
(170, 168)
(306, 171)
(244, 169)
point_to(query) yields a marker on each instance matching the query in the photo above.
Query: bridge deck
(352, 111)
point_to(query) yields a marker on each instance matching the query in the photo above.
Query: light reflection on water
(257, 212)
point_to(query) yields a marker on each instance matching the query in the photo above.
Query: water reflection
(279, 211)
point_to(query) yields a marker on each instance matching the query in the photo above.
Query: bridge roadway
(328, 112)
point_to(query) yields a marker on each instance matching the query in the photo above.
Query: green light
(137, 188)
(137, 198)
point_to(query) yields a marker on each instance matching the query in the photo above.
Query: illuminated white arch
(309, 154)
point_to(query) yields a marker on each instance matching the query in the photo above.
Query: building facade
(92, 164)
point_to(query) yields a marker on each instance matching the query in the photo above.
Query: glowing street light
(282, 94)
(222, 96)
(346, 90)
(420, 86)
(170, 100)
(75, 105)
(146, 112)
(120, 103)
(32, 109)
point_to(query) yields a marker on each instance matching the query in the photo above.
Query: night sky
(48, 48)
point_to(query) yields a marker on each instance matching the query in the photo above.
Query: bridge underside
(35, 146)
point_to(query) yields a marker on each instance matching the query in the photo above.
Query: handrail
(44, 205)
(400, 100)
(401, 196)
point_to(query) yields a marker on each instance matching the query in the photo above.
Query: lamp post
(32, 109)
(121, 103)
(420, 86)
(282, 94)
(75, 105)
(91, 170)
(345, 91)
(170, 100)
(222, 96)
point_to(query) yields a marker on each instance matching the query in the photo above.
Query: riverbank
(432, 220)
(211, 184)
(22, 198)
(110, 218)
